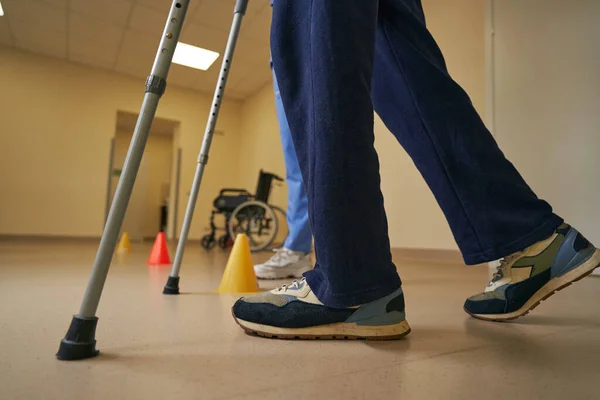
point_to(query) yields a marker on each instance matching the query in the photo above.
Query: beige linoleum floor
(187, 347)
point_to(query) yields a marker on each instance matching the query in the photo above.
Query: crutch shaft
(240, 9)
(79, 341)
(155, 87)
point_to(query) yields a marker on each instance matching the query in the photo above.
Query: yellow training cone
(239, 274)
(124, 245)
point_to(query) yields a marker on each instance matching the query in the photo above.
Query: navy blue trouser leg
(323, 58)
(491, 210)
(331, 58)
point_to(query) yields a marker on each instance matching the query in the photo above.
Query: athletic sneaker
(526, 278)
(294, 312)
(284, 264)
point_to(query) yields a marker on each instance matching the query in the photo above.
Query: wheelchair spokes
(245, 213)
(256, 220)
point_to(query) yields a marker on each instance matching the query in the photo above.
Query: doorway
(152, 204)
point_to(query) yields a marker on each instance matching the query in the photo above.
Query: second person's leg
(293, 259)
(299, 238)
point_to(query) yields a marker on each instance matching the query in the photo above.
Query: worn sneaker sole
(281, 272)
(547, 290)
(339, 331)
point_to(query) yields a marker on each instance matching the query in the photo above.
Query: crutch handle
(240, 7)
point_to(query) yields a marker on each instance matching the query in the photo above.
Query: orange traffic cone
(239, 274)
(124, 244)
(160, 253)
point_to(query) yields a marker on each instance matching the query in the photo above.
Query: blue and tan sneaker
(526, 278)
(294, 312)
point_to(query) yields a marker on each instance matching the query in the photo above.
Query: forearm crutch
(172, 285)
(80, 341)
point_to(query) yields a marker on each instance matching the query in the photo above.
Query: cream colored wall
(57, 119)
(415, 218)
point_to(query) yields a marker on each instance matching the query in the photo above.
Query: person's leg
(299, 237)
(294, 258)
(323, 57)
(491, 210)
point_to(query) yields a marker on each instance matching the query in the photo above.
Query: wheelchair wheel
(257, 221)
(208, 242)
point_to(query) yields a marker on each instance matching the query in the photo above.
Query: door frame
(111, 161)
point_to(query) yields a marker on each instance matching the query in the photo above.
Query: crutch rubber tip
(172, 286)
(80, 340)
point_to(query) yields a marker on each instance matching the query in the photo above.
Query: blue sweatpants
(299, 235)
(338, 60)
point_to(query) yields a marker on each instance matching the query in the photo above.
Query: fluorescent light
(194, 57)
(1, 10)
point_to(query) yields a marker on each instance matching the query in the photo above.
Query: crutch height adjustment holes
(178, 5)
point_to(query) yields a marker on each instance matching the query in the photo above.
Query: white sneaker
(284, 264)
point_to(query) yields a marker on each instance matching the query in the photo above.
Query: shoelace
(504, 263)
(294, 285)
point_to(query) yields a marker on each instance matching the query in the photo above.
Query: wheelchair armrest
(230, 190)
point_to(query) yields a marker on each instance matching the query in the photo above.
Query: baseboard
(77, 239)
(47, 238)
(398, 253)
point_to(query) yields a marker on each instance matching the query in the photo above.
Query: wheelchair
(245, 213)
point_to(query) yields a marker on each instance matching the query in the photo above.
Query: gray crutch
(80, 341)
(172, 286)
